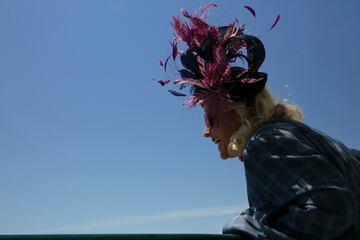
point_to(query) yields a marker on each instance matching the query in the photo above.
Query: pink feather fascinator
(210, 62)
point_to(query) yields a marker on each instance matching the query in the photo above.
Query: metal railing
(122, 237)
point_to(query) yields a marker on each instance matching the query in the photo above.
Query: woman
(302, 184)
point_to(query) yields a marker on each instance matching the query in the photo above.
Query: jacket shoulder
(280, 131)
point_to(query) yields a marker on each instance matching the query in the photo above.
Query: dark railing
(121, 237)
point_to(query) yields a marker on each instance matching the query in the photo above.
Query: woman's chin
(224, 155)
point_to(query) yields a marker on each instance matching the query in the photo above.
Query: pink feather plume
(275, 22)
(174, 50)
(207, 7)
(251, 10)
(166, 62)
(163, 82)
(185, 13)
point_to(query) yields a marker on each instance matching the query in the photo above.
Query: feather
(184, 73)
(182, 86)
(166, 62)
(161, 63)
(207, 7)
(182, 30)
(185, 13)
(251, 10)
(174, 50)
(276, 21)
(163, 82)
(201, 64)
(188, 60)
(178, 94)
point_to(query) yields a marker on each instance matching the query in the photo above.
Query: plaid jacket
(301, 183)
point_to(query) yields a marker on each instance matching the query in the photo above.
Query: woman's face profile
(220, 129)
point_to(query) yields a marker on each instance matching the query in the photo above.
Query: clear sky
(89, 143)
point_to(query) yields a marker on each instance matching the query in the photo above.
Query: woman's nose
(207, 132)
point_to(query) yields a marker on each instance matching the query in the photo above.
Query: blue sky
(89, 143)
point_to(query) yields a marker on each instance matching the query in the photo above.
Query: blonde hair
(265, 107)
